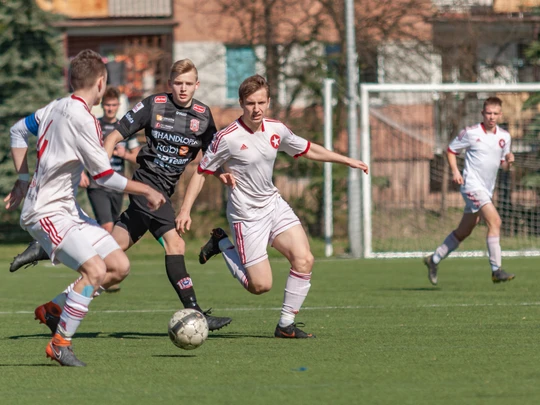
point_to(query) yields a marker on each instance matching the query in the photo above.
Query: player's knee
(175, 247)
(121, 267)
(303, 263)
(495, 224)
(96, 274)
(259, 288)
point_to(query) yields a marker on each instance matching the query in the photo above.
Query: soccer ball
(188, 329)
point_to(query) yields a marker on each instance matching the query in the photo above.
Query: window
(240, 65)
(367, 65)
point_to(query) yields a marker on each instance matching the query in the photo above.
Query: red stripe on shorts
(240, 242)
(49, 228)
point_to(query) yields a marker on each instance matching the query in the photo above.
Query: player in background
(177, 127)
(246, 151)
(106, 204)
(487, 147)
(69, 140)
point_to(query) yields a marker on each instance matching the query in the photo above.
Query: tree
(31, 74)
(301, 42)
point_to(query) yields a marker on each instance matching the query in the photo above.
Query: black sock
(180, 280)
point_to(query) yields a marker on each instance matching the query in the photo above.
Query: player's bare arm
(183, 219)
(509, 161)
(321, 154)
(111, 141)
(154, 197)
(18, 192)
(131, 154)
(85, 181)
(452, 162)
(227, 179)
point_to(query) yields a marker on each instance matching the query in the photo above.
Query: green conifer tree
(31, 75)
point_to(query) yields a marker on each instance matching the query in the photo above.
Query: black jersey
(117, 163)
(174, 136)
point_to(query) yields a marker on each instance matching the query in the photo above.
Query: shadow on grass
(29, 365)
(413, 289)
(174, 355)
(137, 335)
(235, 335)
(134, 335)
(48, 336)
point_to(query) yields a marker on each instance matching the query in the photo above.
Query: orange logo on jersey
(183, 151)
(159, 117)
(502, 143)
(275, 140)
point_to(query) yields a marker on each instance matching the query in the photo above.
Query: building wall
(210, 59)
(108, 8)
(514, 6)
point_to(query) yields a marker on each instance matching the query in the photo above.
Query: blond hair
(183, 66)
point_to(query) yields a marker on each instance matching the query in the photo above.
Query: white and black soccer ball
(188, 329)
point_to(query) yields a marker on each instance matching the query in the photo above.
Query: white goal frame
(364, 225)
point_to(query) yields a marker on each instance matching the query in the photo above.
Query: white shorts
(252, 237)
(72, 241)
(474, 200)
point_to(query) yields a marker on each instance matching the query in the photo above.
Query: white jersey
(250, 158)
(69, 139)
(484, 153)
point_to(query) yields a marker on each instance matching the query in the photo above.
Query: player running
(177, 127)
(69, 140)
(487, 147)
(246, 151)
(106, 204)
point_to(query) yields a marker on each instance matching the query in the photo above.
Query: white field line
(324, 308)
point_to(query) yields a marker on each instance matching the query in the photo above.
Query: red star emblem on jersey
(275, 140)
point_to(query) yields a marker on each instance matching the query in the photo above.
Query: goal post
(409, 203)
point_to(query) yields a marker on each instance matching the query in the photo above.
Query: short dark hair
(85, 69)
(110, 92)
(251, 85)
(492, 101)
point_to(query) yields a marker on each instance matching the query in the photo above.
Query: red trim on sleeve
(103, 174)
(200, 170)
(304, 152)
(451, 151)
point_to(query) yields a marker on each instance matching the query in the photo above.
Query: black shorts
(137, 218)
(106, 204)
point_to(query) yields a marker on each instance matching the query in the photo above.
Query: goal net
(409, 203)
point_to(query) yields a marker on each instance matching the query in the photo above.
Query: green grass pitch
(384, 336)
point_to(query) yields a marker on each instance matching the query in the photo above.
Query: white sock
(494, 250)
(450, 244)
(233, 262)
(75, 309)
(60, 299)
(296, 290)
